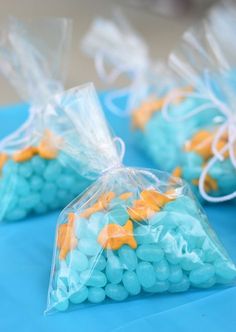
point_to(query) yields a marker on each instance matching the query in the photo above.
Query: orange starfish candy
(25, 154)
(66, 240)
(47, 146)
(201, 143)
(100, 205)
(151, 202)
(209, 185)
(114, 236)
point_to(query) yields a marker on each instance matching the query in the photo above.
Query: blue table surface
(26, 252)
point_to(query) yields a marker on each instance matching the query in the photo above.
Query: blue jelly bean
(25, 169)
(176, 274)
(128, 257)
(59, 300)
(28, 202)
(116, 292)
(63, 196)
(192, 260)
(22, 186)
(48, 193)
(143, 234)
(52, 171)
(158, 287)
(96, 222)
(81, 228)
(180, 286)
(65, 182)
(93, 278)
(118, 215)
(114, 271)
(162, 270)
(173, 258)
(16, 214)
(40, 208)
(150, 252)
(96, 294)
(225, 270)
(207, 284)
(36, 183)
(211, 254)
(38, 164)
(182, 205)
(202, 274)
(98, 262)
(80, 295)
(89, 247)
(77, 260)
(131, 283)
(146, 274)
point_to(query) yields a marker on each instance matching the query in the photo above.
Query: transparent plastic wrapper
(179, 121)
(133, 232)
(36, 176)
(118, 52)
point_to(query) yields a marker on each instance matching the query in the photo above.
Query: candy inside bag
(36, 176)
(174, 119)
(133, 232)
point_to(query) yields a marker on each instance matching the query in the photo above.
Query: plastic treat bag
(119, 52)
(35, 175)
(133, 232)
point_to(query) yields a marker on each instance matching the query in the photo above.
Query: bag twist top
(34, 58)
(116, 45)
(204, 60)
(86, 137)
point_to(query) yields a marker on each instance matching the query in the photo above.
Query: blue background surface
(26, 252)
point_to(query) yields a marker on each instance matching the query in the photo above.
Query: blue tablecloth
(26, 252)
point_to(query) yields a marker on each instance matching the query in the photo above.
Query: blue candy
(180, 286)
(114, 271)
(128, 257)
(96, 294)
(25, 169)
(36, 183)
(89, 247)
(38, 164)
(176, 274)
(93, 278)
(131, 283)
(146, 274)
(77, 260)
(52, 171)
(65, 182)
(98, 262)
(162, 270)
(116, 292)
(158, 287)
(202, 274)
(118, 215)
(80, 295)
(150, 252)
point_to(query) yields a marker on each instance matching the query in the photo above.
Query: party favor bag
(35, 175)
(133, 232)
(172, 114)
